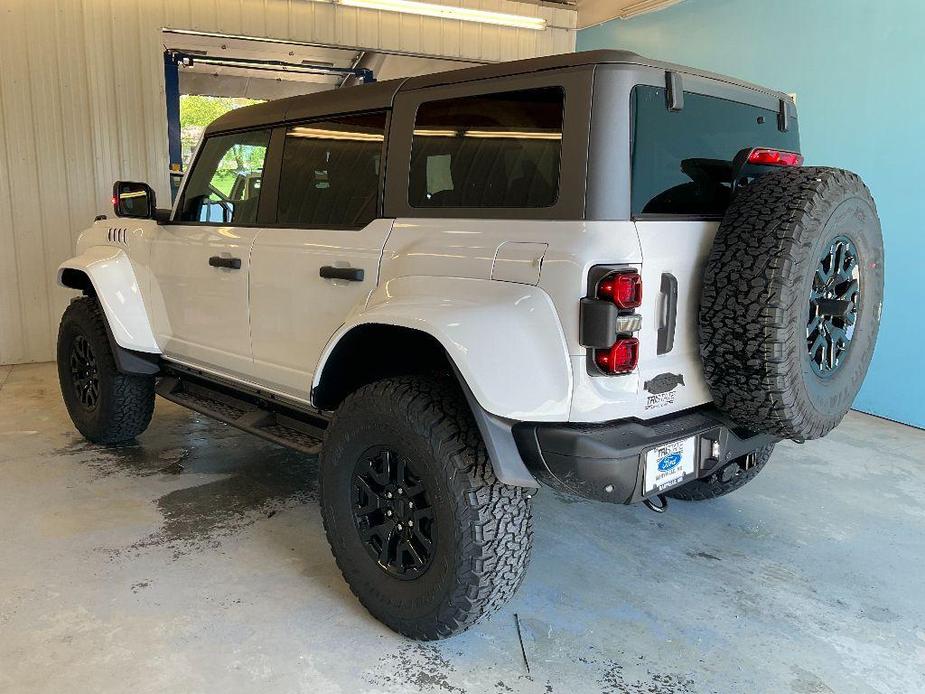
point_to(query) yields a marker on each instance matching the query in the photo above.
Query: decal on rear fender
(662, 389)
(660, 400)
(664, 383)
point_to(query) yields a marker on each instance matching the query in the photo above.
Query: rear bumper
(590, 459)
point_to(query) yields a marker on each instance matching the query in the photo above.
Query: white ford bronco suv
(599, 271)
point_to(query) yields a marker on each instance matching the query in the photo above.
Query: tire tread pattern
(127, 404)
(494, 529)
(752, 315)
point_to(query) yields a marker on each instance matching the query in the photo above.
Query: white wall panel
(82, 104)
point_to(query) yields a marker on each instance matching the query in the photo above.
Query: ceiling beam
(593, 12)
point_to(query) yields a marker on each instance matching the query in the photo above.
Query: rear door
(320, 259)
(200, 261)
(681, 187)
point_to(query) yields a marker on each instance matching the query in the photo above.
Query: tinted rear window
(682, 160)
(492, 150)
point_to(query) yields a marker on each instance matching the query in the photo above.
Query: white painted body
(113, 277)
(502, 297)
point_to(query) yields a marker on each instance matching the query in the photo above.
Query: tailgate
(674, 254)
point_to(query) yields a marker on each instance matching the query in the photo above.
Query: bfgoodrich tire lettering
(481, 527)
(756, 302)
(119, 406)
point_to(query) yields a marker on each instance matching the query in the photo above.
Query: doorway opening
(208, 74)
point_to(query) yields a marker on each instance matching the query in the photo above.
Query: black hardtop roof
(379, 95)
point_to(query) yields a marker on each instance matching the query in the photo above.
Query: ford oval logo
(669, 462)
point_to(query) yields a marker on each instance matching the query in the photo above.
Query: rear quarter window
(493, 150)
(682, 160)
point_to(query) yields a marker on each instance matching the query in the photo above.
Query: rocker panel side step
(300, 431)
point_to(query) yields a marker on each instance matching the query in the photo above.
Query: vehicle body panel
(115, 283)
(679, 249)
(504, 338)
(204, 316)
(294, 311)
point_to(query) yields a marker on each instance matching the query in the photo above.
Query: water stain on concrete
(806, 682)
(414, 667)
(703, 555)
(612, 677)
(198, 516)
(162, 449)
(876, 613)
(231, 480)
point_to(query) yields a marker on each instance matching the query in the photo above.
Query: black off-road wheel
(734, 475)
(106, 406)
(425, 535)
(791, 301)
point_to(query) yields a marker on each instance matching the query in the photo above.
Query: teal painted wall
(858, 69)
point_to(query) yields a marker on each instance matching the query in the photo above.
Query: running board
(282, 425)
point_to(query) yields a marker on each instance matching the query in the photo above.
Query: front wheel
(106, 406)
(425, 535)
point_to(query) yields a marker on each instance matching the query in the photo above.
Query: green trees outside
(196, 112)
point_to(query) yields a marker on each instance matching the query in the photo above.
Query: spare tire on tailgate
(791, 301)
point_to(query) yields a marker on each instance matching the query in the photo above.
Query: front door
(321, 260)
(201, 260)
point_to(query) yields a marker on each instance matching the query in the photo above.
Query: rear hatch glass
(682, 160)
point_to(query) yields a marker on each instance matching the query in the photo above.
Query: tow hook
(660, 507)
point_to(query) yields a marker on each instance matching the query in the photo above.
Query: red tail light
(619, 359)
(775, 157)
(622, 288)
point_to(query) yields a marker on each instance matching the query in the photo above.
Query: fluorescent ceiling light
(325, 134)
(490, 134)
(463, 14)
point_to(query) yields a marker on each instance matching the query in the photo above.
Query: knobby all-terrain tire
(125, 402)
(483, 528)
(734, 472)
(755, 306)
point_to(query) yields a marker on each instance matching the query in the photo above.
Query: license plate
(667, 465)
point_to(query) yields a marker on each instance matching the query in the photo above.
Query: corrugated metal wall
(82, 104)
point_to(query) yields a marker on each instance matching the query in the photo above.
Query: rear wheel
(425, 535)
(734, 475)
(105, 405)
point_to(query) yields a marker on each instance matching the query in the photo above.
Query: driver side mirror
(131, 199)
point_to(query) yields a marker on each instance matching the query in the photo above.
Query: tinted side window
(682, 160)
(224, 185)
(491, 150)
(330, 172)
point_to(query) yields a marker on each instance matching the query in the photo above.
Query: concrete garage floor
(195, 561)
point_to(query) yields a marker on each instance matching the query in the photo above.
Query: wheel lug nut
(400, 526)
(410, 504)
(388, 495)
(388, 512)
(400, 490)
(410, 523)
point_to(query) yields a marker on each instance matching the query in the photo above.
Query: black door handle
(666, 329)
(351, 274)
(230, 263)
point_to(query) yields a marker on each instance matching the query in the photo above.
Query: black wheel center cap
(392, 513)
